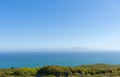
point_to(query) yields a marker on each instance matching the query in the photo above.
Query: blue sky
(36, 24)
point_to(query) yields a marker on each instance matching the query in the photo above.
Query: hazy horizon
(55, 24)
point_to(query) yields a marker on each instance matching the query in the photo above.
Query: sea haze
(36, 59)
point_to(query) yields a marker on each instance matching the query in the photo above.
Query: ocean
(37, 59)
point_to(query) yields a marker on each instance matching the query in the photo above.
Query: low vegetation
(96, 70)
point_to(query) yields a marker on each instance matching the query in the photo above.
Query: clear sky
(36, 24)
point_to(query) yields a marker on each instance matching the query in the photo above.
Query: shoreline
(96, 70)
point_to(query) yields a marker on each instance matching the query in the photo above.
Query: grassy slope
(96, 70)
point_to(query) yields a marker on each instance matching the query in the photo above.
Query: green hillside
(95, 70)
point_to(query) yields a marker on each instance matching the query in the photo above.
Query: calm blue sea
(36, 59)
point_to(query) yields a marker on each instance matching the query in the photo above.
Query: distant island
(94, 70)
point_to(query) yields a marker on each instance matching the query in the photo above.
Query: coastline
(94, 70)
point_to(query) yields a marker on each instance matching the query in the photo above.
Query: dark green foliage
(59, 70)
(96, 70)
(52, 70)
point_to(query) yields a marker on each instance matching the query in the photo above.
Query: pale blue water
(30, 59)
